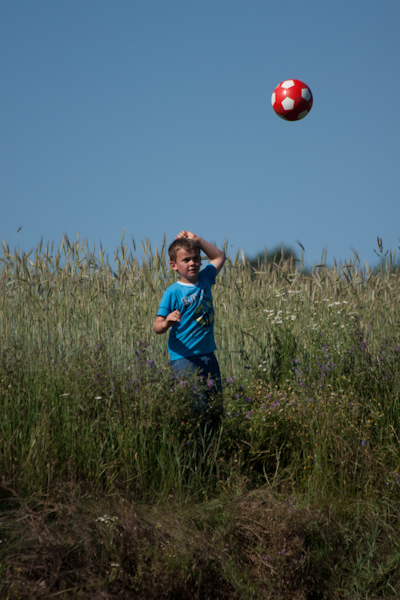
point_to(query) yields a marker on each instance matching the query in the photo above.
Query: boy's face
(187, 264)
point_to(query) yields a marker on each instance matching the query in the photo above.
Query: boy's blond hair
(182, 244)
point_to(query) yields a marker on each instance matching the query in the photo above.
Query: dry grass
(254, 546)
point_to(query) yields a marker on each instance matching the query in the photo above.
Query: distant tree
(277, 255)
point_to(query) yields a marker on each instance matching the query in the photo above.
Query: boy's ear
(173, 265)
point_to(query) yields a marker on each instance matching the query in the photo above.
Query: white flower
(107, 519)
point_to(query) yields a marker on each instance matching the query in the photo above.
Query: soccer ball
(292, 100)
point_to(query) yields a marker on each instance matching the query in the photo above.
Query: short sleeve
(209, 274)
(165, 307)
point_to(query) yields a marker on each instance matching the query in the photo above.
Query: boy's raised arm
(216, 256)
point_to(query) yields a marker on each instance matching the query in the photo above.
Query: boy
(186, 309)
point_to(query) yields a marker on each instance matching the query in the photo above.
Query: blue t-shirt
(194, 335)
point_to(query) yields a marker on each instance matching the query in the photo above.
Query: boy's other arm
(162, 324)
(216, 256)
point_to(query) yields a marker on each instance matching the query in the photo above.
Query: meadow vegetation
(111, 488)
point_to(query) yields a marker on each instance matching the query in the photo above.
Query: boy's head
(184, 255)
(182, 244)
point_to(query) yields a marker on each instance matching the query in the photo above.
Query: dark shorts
(206, 366)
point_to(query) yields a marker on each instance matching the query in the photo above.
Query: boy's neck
(192, 281)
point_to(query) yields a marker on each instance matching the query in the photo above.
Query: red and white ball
(292, 100)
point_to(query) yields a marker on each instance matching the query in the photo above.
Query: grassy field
(110, 488)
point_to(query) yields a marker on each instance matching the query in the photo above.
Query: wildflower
(248, 399)
(230, 379)
(363, 443)
(210, 382)
(107, 519)
(249, 414)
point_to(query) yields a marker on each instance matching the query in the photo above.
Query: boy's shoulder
(172, 287)
(209, 272)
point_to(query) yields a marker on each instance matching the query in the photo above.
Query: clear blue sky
(155, 116)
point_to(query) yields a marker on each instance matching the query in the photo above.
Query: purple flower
(210, 382)
(249, 414)
(230, 380)
(248, 399)
(363, 443)
(296, 361)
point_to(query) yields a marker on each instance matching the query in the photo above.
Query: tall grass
(311, 370)
(79, 354)
(56, 298)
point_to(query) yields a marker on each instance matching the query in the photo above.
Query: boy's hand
(162, 324)
(186, 234)
(174, 317)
